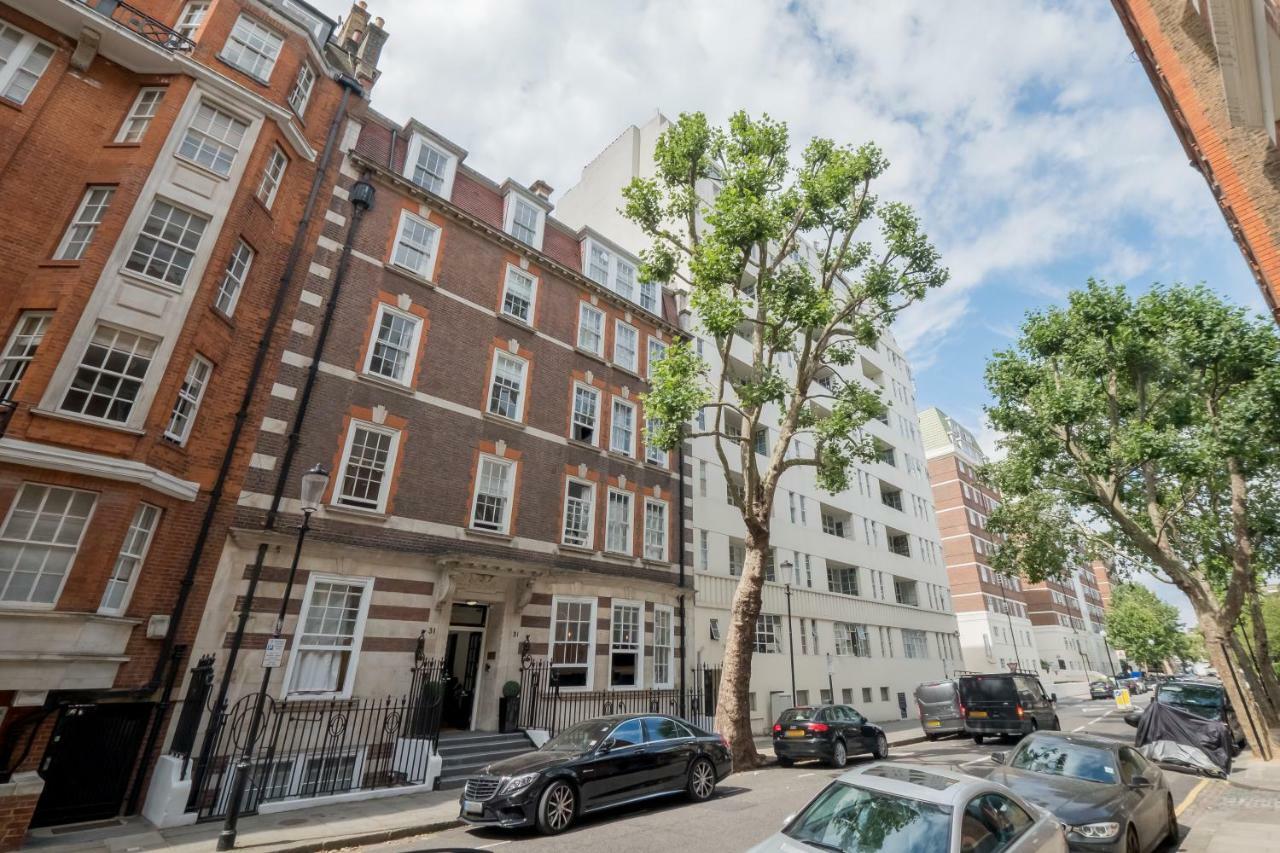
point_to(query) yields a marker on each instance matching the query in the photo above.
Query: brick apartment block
(156, 161)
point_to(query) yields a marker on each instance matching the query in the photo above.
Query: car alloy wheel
(556, 811)
(702, 780)
(838, 754)
(882, 748)
(978, 739)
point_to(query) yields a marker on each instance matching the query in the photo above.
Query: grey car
(896, 808)
(1108, 795)
(940, 710)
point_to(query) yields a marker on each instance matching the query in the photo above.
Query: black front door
(89, 761)
(462, 663)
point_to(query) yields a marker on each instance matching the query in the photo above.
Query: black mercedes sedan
(594, 765)
(1108, 797)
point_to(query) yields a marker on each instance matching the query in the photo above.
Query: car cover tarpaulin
(1165, 727)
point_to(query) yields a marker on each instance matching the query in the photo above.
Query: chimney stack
(363, 38)
(541, 188)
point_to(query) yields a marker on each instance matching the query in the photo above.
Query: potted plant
(509, 707)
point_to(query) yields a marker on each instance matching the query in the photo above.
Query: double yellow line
(1191, 797)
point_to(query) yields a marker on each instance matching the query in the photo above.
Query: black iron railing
(143, 24)
(313, 748)
(547, 704)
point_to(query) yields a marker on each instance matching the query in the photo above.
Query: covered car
(1162, 723)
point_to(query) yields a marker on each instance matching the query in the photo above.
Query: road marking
(1191, 797)
(802, 775)
(491, 846)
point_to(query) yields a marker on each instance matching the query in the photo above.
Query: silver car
(896, 808)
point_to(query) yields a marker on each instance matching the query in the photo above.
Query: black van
(1006, 704)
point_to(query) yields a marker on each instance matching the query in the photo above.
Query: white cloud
(1024, 133)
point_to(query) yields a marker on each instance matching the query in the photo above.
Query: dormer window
(522, 217)
(608, 268)
(430, 166)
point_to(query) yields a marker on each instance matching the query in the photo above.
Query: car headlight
(517, 783)
(1097, 830)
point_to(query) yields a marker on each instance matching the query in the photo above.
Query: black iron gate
(90, 758)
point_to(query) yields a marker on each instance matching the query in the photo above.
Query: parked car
(1203, 697)
(1134, 684)
(896, 807)
(597, 764)
(830, 733)
(1106, 793)
(941, 712)
(1100, 689)
(1006, 704)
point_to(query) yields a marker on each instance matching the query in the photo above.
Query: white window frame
(431, 253)
(192, 18)
(585, 309)
(357, 638)
(74, 548)
(630, 449)
(590, 504)
(192, 252)
(199, 372)
(272, 175)
(23, 50)
(138, 120)
(261, 57)
(416, 143)
(512, 203)
(88, 216)
(599, 412)
(653, 454)
(669, 646)
(300, 93)
(388, 471)
(775, 622)
(654, 344)
(522, 392)
(101, 370)
(631, 521)
(591, 640)
(239, 262)
(666, 521)
(638, 650)
(509, 497)
(633, 366)
(134, 553)
(20, 350)
(207, 141)
(411, 357)
(515, 271)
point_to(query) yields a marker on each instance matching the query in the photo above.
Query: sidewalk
(1240, 813)
(323, 828)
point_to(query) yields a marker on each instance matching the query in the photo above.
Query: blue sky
(1025, 133)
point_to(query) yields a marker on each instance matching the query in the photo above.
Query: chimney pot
(363, 4)
(377, 22)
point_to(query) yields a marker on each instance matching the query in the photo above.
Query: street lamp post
(1110, 662)
(1151, 650)
(788, 575)
(314, 483)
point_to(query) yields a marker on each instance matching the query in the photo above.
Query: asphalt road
(751, 806)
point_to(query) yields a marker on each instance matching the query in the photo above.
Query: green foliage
(1128, 414)
(511, 689)
(1146, 628)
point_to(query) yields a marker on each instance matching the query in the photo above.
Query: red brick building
(1214, 64)
(471, 372)
(157, 162)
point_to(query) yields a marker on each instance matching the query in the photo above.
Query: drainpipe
(684, 645)
(349, 86)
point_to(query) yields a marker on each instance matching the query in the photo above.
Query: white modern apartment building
(871, 616)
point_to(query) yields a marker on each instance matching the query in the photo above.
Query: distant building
(1215, 65)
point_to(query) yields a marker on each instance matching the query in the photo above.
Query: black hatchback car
(597, 764)
(1006, 704)
(830, 732)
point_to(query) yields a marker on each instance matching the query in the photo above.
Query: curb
(379, 837)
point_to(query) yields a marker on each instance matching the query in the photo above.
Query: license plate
(934, 724)
(978, 715)
(471, 808)
(796, 733)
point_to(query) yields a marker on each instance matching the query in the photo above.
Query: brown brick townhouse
(158, 162)
(470, 371)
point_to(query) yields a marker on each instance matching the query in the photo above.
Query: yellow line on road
(1191, 797)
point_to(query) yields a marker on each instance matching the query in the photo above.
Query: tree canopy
(1146, 628)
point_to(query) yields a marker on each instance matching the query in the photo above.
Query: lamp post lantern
(788, 575)
(314, 483)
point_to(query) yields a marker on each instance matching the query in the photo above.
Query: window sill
(488, 534)
(382, 382)
(660, 466)
(161, 287)
(577, 549)
(409, 275)
(663, 564)
(355, 512)
(594, 356)
(55, 263)
(262, 204)
(11, 104)
(627, 457)
(85, 419)
(123, 145)
(516, 321)
(505, 421)
(627, 370)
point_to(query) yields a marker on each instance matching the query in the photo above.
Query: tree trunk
(1246, 666)
(733, 705)
(1263, 660)
(1257, 731)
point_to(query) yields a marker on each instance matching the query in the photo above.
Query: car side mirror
(1140, 782)
(999, 757)
(1132, 718)
(606, 745)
